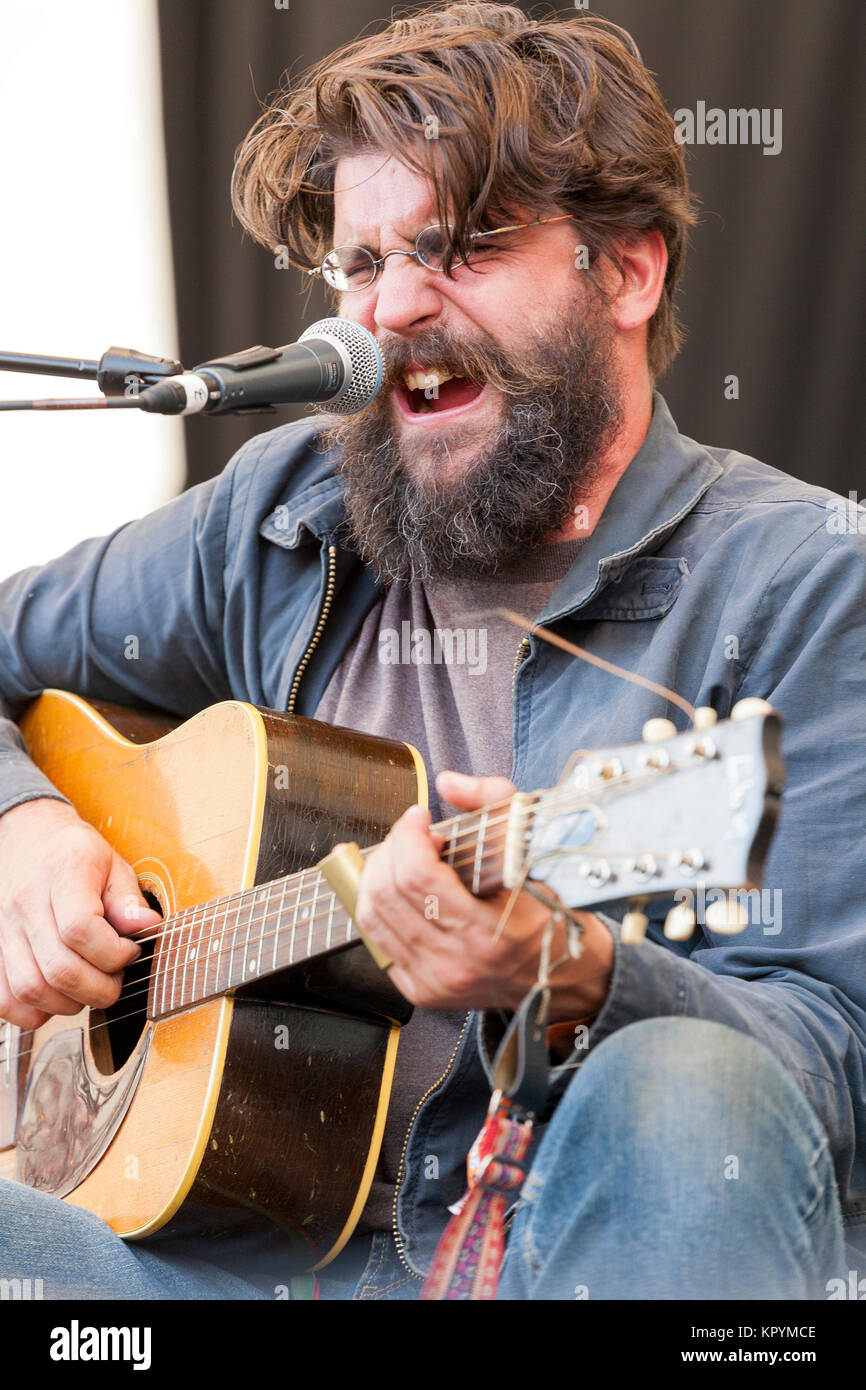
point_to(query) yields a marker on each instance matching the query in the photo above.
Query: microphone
(335, 361)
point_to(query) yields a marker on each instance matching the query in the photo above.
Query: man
(503, 204)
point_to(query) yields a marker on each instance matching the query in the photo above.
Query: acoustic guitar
(247, 1064)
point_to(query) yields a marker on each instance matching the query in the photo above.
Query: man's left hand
(444, 942)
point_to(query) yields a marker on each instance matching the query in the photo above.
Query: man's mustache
(481, 360)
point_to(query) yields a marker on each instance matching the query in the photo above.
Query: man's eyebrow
(354, 238)
(372, 241)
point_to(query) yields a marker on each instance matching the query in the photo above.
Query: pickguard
(69, 1118)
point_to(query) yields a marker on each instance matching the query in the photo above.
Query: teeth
(428, 379)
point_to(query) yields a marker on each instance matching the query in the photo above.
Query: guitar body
(271, 1099)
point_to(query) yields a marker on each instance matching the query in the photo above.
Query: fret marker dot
(252, 966)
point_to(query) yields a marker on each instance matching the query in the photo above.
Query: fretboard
(209, 950)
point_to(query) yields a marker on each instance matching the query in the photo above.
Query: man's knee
(682, 1155)
(686, 1101)
(673, 1076)
(33, 1221)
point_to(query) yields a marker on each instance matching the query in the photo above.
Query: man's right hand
(67, 901)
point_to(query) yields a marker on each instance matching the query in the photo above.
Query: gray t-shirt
(432, 665)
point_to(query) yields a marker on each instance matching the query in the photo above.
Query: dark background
(775, 287)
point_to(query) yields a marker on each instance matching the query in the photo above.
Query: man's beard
(561, 408)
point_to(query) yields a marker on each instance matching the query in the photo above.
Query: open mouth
(426, 391)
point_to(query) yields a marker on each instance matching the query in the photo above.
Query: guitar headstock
(643, 820)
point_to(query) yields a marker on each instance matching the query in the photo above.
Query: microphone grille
(365, 378)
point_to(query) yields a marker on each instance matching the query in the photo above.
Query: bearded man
(503, 204)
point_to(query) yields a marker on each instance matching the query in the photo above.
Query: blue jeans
(682, 1162)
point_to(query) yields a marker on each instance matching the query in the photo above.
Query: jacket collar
(664, 481)
(318, 509)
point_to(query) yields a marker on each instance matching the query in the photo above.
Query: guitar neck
(209, 950)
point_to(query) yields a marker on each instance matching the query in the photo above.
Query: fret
(250, 962)
(263, 928)
(196, 954)
(331, 902)
(312, 917)
(348, 928)
(452, 848)
(166, 965)
(479, 854)
(188, 954)
(262, 924)
(159, 974)
(173, 946)
(209, 956)
(279, 923)
(220, 947)
(230, 972)
(298, 893)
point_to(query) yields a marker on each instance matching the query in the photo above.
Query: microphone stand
(120, 374)
(75, 403)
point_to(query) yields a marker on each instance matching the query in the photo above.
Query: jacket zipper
(520, 657)
(398, 1239)
(320, 626)
(522, 651)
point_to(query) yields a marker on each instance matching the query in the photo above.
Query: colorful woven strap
(469, 1254)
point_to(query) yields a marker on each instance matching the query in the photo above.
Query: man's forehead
(374, 190)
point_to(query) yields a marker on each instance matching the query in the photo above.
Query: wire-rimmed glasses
(350, 268)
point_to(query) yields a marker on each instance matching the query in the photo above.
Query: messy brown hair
(524, 113)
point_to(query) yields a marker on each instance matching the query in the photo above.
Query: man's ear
(643, 263)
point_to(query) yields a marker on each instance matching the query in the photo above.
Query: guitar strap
(469, 1255)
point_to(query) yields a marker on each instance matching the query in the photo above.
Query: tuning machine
(634, 923)
(680, 923)
(727, 916)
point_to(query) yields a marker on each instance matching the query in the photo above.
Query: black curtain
(775, 289)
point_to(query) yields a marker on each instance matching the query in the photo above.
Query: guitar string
(583, 654)
(166, 971)
(245, 895)
(180, 919)
(536, 801)
(574, 801)
(547, 635)
(184, 919)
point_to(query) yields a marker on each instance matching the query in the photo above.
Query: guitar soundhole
(114, 1032)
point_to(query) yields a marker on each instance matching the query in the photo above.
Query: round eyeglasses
(349, 268)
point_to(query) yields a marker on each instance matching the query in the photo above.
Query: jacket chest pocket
(648, 588)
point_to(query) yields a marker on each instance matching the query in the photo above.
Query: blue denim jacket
(708, 572)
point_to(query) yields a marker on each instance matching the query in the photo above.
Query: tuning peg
(749, 707)
(727, 916)
(634, 925)
(705, 717)
(655, 730)
(680, 923)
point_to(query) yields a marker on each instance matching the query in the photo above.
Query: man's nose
(406, 296)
